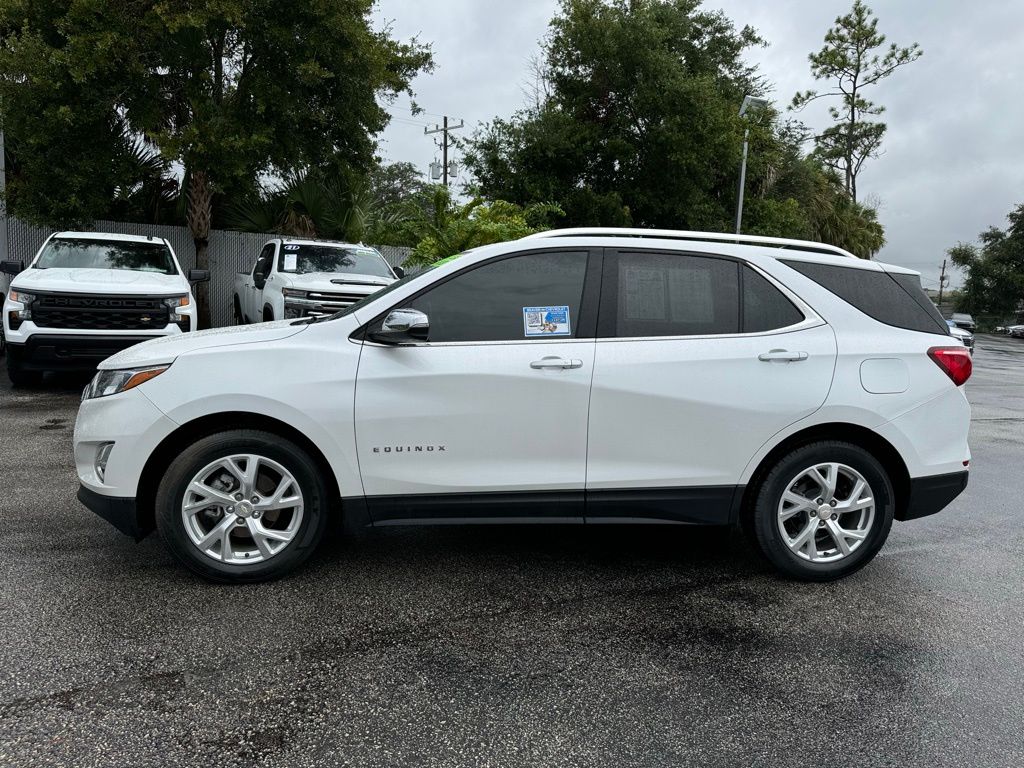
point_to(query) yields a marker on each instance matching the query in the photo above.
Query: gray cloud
(951, 165)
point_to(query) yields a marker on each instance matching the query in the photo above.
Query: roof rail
(678, 234)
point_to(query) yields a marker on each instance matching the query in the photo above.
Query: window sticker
(291, 261)
(546, 321)
(291, 247)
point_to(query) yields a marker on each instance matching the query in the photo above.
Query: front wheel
(823, 511)
(18, 375)
(242, 506)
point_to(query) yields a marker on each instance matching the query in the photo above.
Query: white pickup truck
(88, 295)
(308, 278)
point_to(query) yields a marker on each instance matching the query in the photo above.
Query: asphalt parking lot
(495, 646)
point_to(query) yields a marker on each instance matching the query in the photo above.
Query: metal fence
(229, 253)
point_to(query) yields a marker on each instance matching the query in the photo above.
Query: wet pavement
(508, 646)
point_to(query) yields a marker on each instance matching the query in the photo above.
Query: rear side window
(663, 294)
(896, 300)
(765, 308)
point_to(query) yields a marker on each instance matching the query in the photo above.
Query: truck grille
(99, 313)
(336, 298)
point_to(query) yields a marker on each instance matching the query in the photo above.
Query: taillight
(955, 362)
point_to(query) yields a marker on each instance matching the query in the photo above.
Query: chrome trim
(691, 236)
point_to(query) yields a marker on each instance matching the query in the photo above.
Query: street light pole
(743, 181)
(749, 102)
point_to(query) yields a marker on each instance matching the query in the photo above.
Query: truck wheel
(242, 506)
(823, 511)
(19, 376)
(239, 320)
(268, 314)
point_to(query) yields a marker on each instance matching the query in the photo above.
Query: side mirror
(399, 272)
(12, 267)
(402, 326)
(259, 280)
(198, 275)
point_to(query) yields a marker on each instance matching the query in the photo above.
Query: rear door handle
(782, 356)
(555, 362)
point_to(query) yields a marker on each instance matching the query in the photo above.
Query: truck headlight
(106, 383)
(294, 293)
(16, 317)
(292, 307)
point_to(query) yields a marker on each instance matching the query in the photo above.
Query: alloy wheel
(242, 509)
(826, 512)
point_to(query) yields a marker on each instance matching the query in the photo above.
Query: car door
(700, 359)
(261, 269)
(487, 419)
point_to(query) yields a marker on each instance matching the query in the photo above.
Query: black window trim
(589, 301)
(608, 311)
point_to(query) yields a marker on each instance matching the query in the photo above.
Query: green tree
(634, 122)
(229, 89)
(445, 227)
(850, 63)
(639, 119)
(994, 283)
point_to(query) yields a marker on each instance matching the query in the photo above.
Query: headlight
(111, 382)
(16, 317)
(293, 293)
(175, 303)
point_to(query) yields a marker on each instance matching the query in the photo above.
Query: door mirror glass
(399, 272)
(402, 326)
(12, 267)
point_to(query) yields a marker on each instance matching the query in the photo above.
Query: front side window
(664, 294)
(521, 298)
(87, 253)
(304, 258)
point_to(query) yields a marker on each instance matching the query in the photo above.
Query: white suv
(578, 376)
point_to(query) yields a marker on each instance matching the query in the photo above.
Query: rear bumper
(929, 495)
(122, 513)
(56, 352)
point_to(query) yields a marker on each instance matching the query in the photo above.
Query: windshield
(70, 253)
(317, 257)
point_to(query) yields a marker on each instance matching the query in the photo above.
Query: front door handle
(555, 362)
(782, 356)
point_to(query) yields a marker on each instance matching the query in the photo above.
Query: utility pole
(444, 129)
(942, 281)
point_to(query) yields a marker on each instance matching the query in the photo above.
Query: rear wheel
(239, 320)
(242, 506)
(823, 511)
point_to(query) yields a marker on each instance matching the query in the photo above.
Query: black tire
(19, 376)
(764, 516)
(268, 314)
(316, 504)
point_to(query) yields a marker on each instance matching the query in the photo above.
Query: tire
(268, 314)
(779, 525)
(19, 376)
(239, 320)
(303, 523)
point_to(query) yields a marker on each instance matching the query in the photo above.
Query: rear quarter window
(893, 299)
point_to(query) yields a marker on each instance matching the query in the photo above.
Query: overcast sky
(953, 162)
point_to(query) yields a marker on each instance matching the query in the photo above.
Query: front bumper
(59, 352)
(929, 495)
(122, 513)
